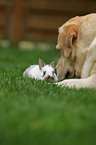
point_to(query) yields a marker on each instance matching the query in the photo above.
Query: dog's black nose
(69, 74)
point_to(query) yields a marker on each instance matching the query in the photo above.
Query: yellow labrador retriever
(77, 45)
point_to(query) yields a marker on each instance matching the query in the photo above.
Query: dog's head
(67, 44)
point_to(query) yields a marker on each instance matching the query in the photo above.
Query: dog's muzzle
(68, 74)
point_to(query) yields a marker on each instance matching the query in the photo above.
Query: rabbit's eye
(44, 73)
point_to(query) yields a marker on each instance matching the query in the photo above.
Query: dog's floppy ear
(52, 64)
(70, 40)
(41, 63)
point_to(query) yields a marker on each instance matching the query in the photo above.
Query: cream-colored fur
(90, 60)
(77, 43)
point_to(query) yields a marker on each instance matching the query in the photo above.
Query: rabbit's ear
(52, 64)
(41, 63)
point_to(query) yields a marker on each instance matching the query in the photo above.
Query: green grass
(34, 113)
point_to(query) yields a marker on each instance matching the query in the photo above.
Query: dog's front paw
(66, 83)
(61, 83)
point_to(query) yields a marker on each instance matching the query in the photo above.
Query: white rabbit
(41, 71)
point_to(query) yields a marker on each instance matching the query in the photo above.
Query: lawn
(35, 113)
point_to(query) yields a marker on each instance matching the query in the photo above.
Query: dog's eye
(44, 73)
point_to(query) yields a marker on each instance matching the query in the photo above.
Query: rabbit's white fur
(45, 72)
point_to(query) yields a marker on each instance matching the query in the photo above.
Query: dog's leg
(91, 58)
(89, 82)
